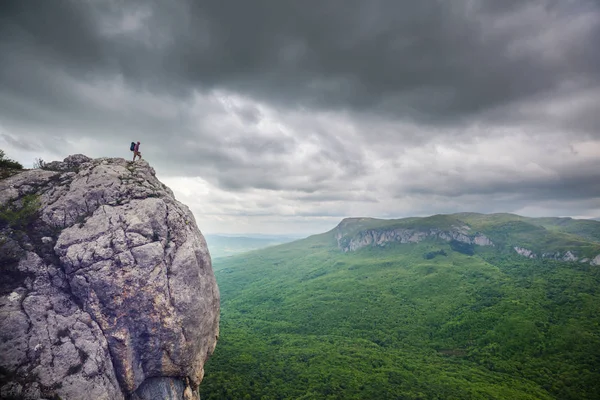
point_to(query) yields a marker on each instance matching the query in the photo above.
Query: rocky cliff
(107, 288)
(512, 233)
(351, 241)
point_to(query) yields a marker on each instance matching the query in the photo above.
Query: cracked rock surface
(107, 288)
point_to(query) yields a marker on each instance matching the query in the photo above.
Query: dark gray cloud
(348, 107)
(572, 186)
(431, 61)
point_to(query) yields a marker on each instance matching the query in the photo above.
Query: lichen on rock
(108, 290)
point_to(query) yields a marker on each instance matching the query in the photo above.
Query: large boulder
(107, 288)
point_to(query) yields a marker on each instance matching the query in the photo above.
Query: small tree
(39, 163)
(7, 162)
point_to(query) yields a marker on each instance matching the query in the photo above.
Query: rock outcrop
(107, 288)
(524, 252)
(379, 237)
(566, 256)
(355, 233)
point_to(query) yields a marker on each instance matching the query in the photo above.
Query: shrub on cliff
(18, 214)
(7, 162)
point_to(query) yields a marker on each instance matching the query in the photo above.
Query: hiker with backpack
(136, 150)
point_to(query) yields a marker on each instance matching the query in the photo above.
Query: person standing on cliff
(136, 151)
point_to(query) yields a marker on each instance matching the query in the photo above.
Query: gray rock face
(379, 237)
(569, 256)
(566, 256)
(107, 288)
(525, 252)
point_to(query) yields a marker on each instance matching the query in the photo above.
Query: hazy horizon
(296, 236)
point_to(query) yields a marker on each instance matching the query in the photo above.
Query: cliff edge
(107, 288)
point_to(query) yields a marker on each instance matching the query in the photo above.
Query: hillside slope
(434, 318)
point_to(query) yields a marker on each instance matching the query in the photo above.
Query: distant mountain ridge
(564, 239)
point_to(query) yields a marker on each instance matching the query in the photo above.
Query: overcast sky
(286, 116)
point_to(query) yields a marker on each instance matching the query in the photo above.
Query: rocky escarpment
(355, 233)
(567, 256)
(107, 288)
(350, 241)
(524, 252)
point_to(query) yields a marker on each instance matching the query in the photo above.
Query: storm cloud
(290, 115)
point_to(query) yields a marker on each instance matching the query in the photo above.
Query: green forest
(428, 320)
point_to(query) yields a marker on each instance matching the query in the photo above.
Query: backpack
(132, 147)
